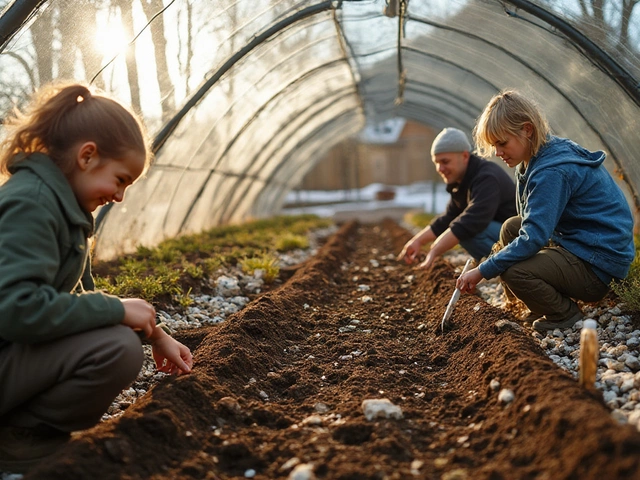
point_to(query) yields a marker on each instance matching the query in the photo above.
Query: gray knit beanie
(450, 140)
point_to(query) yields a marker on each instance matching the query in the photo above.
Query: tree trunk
(42, 34)
(151, 7)
(132, 66)
(627, 11)
(74, 40)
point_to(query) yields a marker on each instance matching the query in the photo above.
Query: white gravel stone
(506, 396)
(380, 408)
(303, 471)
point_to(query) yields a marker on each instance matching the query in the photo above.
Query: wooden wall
(353, 164)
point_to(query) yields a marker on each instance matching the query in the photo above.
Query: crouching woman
(573, 233)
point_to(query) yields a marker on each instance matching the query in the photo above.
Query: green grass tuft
(266, 262)
(169, 270)
(290, 241)
(629, 289)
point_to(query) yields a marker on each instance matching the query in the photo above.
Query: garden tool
(454, 299)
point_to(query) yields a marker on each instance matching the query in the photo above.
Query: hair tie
(80, 99)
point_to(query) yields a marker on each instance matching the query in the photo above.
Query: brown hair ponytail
(61, 116)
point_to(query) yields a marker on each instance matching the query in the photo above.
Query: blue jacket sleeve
(547, 195)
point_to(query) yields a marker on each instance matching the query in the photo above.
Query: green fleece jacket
(43, 255)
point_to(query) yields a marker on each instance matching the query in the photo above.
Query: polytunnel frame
(519, 60)
(229, 203)
(19, 12)
(172, 124)
(237, 135)
(589, 50)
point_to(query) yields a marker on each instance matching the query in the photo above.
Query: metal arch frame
(343, 120)
(235, 58)
(270, 70)
(172, 124)
(230, 204)
(440, 94)
(214, 167)
(441, 60)
(429, 55)
(345, 45)
(593, 52)
(19, 11)
(304, 140)
(464, 105)
(407, 105)
(542, 77)
(14, 16)
(256, 114)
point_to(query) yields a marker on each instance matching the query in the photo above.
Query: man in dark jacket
(482, 197)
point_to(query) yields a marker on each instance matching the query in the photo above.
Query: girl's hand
(467, 283)
(170, 355)
(139, 315)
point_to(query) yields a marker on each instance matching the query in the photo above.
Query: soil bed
(286, 377)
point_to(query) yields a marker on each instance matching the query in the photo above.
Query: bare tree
(151, 7)
(185, 46)
(607, 22)
(42, 35)
(627, 12)
(75, 39)
(126, 12)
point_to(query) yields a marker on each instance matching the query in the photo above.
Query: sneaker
(531, 318)
(543, 324)
(23, 448)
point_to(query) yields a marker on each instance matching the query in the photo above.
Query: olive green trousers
(549, 282)
(68, 383)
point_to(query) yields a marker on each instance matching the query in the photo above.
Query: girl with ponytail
(66, 351)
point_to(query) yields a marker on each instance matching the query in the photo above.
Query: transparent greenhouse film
(253, 119)
(612, 25)
(258, 90)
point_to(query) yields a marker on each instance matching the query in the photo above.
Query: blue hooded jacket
(567, 196)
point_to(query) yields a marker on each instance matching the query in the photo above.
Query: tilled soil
(285, 378)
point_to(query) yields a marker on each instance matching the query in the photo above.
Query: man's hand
(428, 262)
(410, 251)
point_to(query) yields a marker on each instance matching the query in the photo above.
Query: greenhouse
(243, 98)
(309, 348)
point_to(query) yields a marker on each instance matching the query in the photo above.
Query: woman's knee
(509, 230)
(515, 278)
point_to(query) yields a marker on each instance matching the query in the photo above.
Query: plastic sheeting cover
(245, 96)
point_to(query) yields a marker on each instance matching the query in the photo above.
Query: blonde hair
(507, 113)
(60, 116)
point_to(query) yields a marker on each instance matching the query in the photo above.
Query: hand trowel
(454, 299)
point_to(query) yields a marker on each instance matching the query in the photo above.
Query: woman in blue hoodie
(574, 231)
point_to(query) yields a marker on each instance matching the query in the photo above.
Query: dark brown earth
(453, 427)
